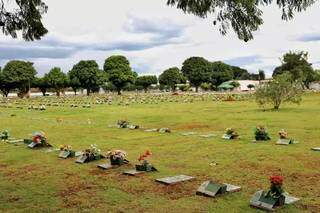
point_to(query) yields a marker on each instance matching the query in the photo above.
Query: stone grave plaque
(150, 130)
(207, 136)
(316, 149)
(133, 172)
(32, 145)
(105, 166)
(232, 188)
(188, 133)
(258, 202)
(64, 154)
(211, 189)
(285, 142)
(175, 179)
(15, 141)
(227, 137)
(290, 199)
(82, 159)
(78, 153)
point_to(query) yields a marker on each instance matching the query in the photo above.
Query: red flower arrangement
(276, 180)
(145, 155)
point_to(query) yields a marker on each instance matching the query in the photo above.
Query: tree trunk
(145, 90)
(119, 91)
(58, 93)
(88, 92)
(197, 89)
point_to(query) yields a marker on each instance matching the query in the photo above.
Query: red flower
(141, 158)
(276, 180)
(148, 152)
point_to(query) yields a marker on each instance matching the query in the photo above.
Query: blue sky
(155, 37)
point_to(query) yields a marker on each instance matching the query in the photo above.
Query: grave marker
(175, 179)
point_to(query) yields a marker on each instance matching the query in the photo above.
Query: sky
(154, 37)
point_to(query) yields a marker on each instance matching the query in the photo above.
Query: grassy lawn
(40, 182)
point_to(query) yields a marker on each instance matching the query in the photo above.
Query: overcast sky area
(155, 37)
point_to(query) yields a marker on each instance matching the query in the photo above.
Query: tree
(296, 63)
(251, 86)
(88, 74)
(220, 72)
(119, 72)
(146, 81)
(262, 75)
(42, 84)
(4, 86)
(206, 86)
(171, 77)
(245, 17)
(235, 84)
(56, 79)
(280, 90)
(197, 71)
(73, 81)
(24, 16)
(19, 74)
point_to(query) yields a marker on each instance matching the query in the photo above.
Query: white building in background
(245, 83)
(315, 86)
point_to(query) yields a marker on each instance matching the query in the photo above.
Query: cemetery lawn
(32, 180)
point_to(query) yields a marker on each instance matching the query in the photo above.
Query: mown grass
(32, 180)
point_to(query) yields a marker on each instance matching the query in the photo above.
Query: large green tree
(220, 72)
(296, 63)
(4, 86)
(171, 77)
(89, 75)
(24, 16)
(42, 84)
(56, 79)
(119, 72)
(244, 16)
(73, 81)
(146, 81)
(19, 75)
(197, 71)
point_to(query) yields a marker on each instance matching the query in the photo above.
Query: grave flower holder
(4, 135)
(283, 138)
(213, 189)
(123, 124)
(145, 166)
(91, 154)
(261, 134)
(274, 198)
(117, 158)
(38, 140)
(66, 152)
(230, 134)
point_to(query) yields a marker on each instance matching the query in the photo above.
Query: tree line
(117, 75)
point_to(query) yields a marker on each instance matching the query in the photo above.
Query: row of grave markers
(269, 200)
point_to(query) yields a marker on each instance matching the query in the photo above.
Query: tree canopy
(171, 77)
(56, 79)
(197, 71)
(296, 63)
(146, 81)
(244, 17)
(88, 74)
(119, 72)
(19, 74)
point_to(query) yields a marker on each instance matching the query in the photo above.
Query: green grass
(39, 181)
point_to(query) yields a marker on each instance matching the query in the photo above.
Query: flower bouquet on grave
(117, 157)
(145, 165)
(38, 140)
(283, 138)
(90, 154)
(230, 134)
(275, 194)
(66, 152)
(123, 124)
(4, 135)
(261, 134)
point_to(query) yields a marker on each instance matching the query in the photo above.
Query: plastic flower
(283, 134)
(276, 180)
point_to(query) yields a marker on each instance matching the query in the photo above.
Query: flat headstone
(82, 159)
(211, 189)
(32, 145)
(232, 188)
(133, 172)
(78, 153)
(227, 137)
(188, 133)
(150, 130)
(175, 179)
(105, 166)
(257, 202)
(316, 149)
(286, 142)
(64, 154)
(290, 199)
(15, 141)
(207, 136)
